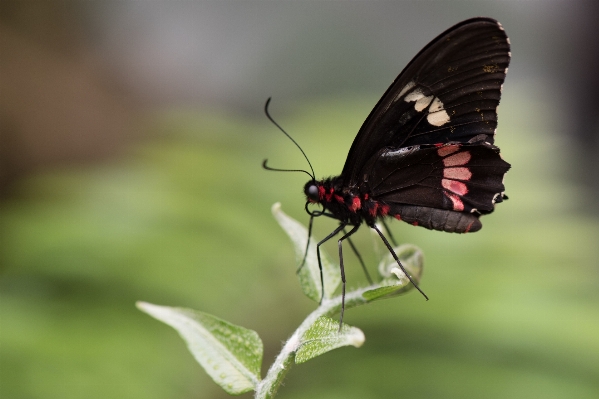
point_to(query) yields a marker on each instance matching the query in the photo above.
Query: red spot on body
(445, 150)
(339, 198)
(454, 186)
(384, 210)
(458, 205)
(461, 158)
(366, 197)
(374, 209)
(329, 195)
(457, 173)
(356, 204)
(468, 227)
(320, 192)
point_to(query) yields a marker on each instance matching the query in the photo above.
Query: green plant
(232, 355)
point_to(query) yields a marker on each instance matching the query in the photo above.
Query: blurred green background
(131, 149)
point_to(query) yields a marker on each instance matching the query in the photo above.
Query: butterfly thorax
(347, 205)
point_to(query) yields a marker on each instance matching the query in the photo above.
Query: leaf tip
(356, 338)
(275, 208)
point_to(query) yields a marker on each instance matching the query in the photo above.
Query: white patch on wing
(437, 115)
(437, 105)
(404, 90)
(414, 96)
(422, 103)
(438, 118)
(394, 155)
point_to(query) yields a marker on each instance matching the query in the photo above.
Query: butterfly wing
(456, 177)
(448, 93)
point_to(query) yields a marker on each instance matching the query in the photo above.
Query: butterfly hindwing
(448, 93)
(456, 177)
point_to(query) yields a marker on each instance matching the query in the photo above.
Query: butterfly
(425, 154)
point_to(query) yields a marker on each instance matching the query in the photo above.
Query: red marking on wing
(445, 150)
(458, 205)
(397, 216)
(455, 186)
(415, 224)
(339, 199)
(457, 173)
(356, 204)
(461, 158)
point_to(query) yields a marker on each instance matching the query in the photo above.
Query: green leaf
(309, 274)
(230, 354)
(324, 336)
(395, 281)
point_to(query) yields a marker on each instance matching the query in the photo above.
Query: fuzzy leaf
(395, 281)
(230, 354)
(324, 336)
(309, 274)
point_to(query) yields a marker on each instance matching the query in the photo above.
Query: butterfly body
(394, 191)
(425, 153)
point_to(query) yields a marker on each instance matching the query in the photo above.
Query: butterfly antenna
(313, 175)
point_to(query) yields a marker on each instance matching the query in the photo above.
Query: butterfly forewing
(448, 93)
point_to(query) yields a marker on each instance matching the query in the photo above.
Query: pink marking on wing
(454, 186)
(384, 210)
(447, 149)
(457, 173)
(356, 204)
(458, 205)
(461, 158)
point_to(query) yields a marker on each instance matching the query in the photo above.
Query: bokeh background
(131, 142)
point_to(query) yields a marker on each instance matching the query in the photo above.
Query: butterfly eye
(312, 193)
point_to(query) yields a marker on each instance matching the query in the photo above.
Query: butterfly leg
(353, 247)
(327, 238)
(339, 243)
(389, 232)
(397, 259)
(307, 244)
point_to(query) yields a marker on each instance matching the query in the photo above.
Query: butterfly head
(313, 191)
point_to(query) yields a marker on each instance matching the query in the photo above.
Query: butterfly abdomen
(436, 219)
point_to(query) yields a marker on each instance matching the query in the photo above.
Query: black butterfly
(425, 154)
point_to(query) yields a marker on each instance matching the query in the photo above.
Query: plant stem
(267, 388)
